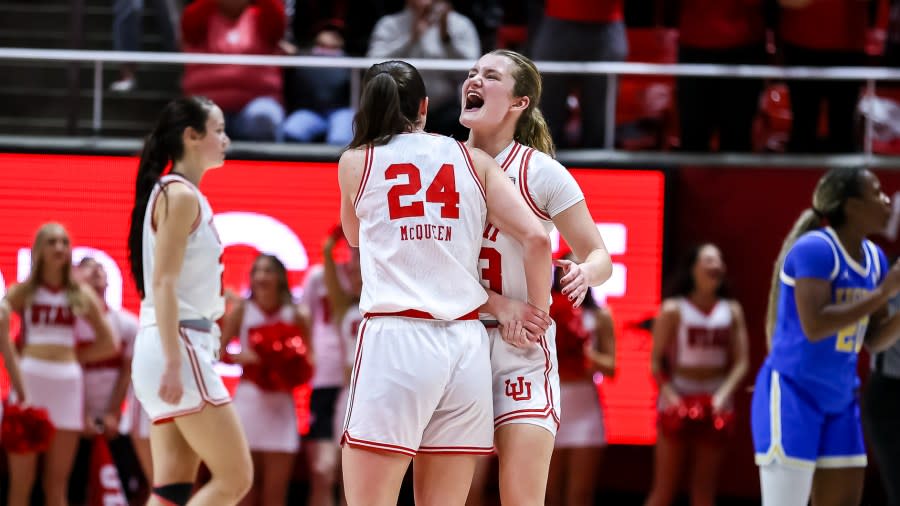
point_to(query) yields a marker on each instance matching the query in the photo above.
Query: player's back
(422, 210)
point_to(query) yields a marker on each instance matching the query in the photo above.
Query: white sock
(783, 485)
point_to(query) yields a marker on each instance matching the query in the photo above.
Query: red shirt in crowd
(257, 30)
(838, 25)
(721, 24)
(586, 11)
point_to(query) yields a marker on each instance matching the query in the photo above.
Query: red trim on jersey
(367, 168)
(195, 364)
(548, 410)
(511, 156)
(469, 163)
(415, 313)
(170, 417)
(457, 450)
(356, 366)
(523, 186)
(156, 199)
(353, 442)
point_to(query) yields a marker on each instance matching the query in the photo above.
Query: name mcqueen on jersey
(426, 232)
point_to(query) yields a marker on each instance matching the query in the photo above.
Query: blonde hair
(74, 294)
(832, 190)
(531, 128)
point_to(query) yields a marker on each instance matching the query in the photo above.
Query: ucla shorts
(790, 428)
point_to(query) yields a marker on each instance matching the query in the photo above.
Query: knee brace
(175, 494)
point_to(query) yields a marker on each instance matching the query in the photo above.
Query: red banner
(288, 208)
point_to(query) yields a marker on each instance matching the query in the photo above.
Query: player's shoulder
(540, 164)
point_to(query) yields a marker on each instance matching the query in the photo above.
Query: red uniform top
(586, 11)
(827, 24)
(721, 24)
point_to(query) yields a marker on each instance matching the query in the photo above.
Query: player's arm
(602, 352)
(175, 217)
(350, 171)
(339, 299)
(13, 302)
(577, 227)
(509, 213)
(510, 312)
(740, 356)
(106, 344)
(664, 328)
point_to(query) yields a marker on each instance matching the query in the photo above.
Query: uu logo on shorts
(520, 390)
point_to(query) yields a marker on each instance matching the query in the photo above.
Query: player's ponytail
(832, 190)
(391, 95)
(163, 146)
(531, 128)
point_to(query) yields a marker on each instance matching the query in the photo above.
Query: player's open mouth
(474, 101)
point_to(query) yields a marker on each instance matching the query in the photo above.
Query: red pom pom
(284, 363)
(26, 430)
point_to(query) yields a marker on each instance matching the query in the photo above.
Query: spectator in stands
(250, 97)
(322, 95)
(824, 33)
(128, 32)
(727, 32)
(584, 31)
(430, 29)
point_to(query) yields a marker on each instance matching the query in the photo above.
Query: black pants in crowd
(882, 421)
(807, 96)
(726, 105)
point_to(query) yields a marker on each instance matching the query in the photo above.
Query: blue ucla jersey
(825, 369)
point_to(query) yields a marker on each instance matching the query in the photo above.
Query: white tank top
(48, 319)
(255, 317)
(422, 210)
(326, 339)
(548, 189)
(350, 324)
(704, 339)
(199, 289)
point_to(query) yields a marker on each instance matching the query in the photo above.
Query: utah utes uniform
(48, 319)
(703, 340)
(200, 303)
(805, 410)
(269, 418)
(525, 380)
(421, 375)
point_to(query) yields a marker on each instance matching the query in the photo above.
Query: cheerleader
(48, 375)
(699, 350)
(586, 345)
(176, 257)
(269, 417)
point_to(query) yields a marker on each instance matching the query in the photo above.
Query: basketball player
(699, 347)
(830, 289)
(48, 375)
(416, 205)
(269, 418)
(500, 107)
(175, 256)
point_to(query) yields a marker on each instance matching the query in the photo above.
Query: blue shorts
(790, 428)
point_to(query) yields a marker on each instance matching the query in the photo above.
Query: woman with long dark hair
(176, 258)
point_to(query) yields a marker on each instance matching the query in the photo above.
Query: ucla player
(500, 107)
(416, 204)
(48, 375)
(829, 291)
(699, 348)
(175, 255)
(269, 417)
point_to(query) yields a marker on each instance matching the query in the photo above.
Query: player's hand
(170, 387)
(521, 323)
(574, 283)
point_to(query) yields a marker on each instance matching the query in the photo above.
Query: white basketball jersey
(350, 324)
(255, 317)
(199, 289)
(326, 339)
(548, 189)
(422, 210)
(48, 319)
(704, 339)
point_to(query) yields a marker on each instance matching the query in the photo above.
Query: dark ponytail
(389, 104)
(161, 148)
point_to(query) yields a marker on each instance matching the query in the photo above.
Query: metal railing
(869, 75)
